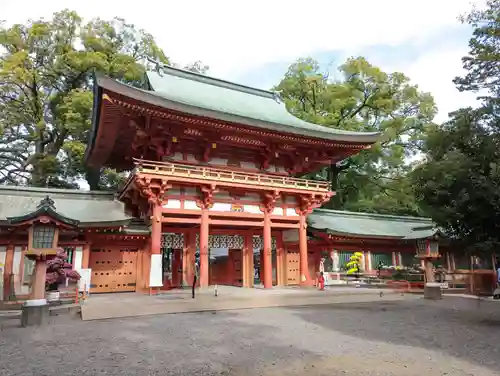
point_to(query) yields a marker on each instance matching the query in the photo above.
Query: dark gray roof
(89, 208)
(371, 225)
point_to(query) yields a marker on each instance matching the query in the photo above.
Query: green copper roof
(242, 104)
(371, 225)
(88, 208)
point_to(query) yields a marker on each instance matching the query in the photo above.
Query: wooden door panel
(113, 270)
(292, 268)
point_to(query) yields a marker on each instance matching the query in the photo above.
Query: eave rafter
(149, 110)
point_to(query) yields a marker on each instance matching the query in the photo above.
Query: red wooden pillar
(249, 264)
(267, 253)
(188, 258)
(86, 256)
(204, 262)
(304, 264)
(155, 271)
(230, 272)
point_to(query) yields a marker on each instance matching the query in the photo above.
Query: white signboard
(85, 280)
(155, 273)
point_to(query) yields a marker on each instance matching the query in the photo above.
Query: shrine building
(213, 179)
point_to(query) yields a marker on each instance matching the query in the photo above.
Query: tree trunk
(335, 202)
(93, 175)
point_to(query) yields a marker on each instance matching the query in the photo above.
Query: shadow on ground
(458, 327)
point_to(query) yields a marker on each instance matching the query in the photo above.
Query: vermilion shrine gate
(213, 166)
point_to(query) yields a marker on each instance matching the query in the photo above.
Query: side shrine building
(213, 183)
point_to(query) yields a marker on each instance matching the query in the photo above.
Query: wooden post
(249, 259)
(204, 250)
(155, 271)
(86, 256)
(304, 262)
(267, 252)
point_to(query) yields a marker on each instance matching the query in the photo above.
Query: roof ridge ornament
(48, 203)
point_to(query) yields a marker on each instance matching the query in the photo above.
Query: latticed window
(344, 258)
(43, 236)
(381, 258)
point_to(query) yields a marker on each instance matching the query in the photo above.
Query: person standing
(321, 281)
(195, 278)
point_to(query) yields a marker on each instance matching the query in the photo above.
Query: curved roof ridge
(374, 215)
(23, 190)
(209, 80)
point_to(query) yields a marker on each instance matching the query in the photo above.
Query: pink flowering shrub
(58, 270)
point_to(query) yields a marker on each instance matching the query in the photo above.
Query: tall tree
(46, 68)
(459, 183)
(363, 98)
(483, 61)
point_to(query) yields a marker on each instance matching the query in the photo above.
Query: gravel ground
(450, 337)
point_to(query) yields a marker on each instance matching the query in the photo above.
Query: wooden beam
(181, 220)
(223, 222)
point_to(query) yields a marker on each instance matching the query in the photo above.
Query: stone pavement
(229, 298)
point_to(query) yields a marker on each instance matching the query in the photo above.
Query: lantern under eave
(43, 225)
(428, 249)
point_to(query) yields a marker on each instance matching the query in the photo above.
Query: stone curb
(214, 305)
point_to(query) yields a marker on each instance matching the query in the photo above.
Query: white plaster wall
(291, 212)
(253, 209)
(190, 205)
(78, 258)
(221, 206)
(191, 158)
(278, 211)
(172, 204)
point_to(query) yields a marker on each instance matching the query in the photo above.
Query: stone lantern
(43, 226)
(428, 251)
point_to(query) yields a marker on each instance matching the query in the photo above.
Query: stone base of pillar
(35, 313)
(432, 290)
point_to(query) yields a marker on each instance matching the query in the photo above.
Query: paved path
(126, 305)
(400, 338)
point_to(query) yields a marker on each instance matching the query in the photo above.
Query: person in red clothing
(321, 281)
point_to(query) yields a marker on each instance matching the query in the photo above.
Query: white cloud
(434, 72)
(233, 37)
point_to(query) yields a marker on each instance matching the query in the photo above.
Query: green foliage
(483, 61)
(45, 93)
(459, 184)
(364, 98)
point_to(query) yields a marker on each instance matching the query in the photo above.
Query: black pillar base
(35, 315)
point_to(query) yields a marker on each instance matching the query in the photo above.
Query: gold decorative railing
(211, 174)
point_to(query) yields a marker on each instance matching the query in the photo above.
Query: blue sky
(254, 42)
(401, 57)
